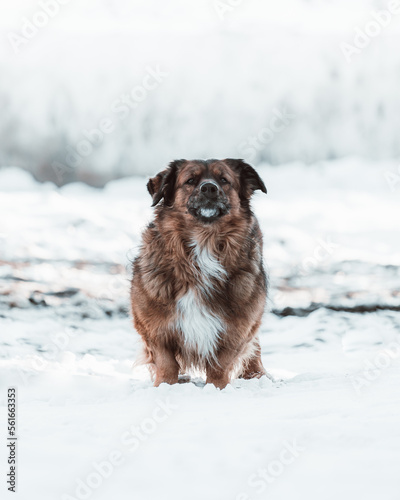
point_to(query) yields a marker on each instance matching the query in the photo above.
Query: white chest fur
(209, 265)
(200, 326)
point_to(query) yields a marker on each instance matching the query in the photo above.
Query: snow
(227, 78)
(92, 426)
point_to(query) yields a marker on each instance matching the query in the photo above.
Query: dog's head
(206, 189)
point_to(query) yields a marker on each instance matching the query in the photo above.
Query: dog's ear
(163, 184)
(250, 181)
(154, 186)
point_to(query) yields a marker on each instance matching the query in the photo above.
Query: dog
(199, 288)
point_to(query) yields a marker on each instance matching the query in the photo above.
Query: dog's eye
(224, 181)
(190, 181)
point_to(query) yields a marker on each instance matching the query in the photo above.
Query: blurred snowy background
(103, 94)
(228, 67)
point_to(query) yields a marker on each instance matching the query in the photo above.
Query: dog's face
(206, 190)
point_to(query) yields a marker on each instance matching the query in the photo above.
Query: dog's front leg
(217, 377)
(167, 368)
(218, 371)
(252, 365)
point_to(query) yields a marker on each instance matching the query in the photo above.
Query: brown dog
(199, 287)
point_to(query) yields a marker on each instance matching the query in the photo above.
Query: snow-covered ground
(91, 426)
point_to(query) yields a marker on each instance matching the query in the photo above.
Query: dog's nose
(209, 189)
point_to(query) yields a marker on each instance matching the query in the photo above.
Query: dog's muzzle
(208, 203)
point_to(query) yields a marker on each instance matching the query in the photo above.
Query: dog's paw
(184, 379)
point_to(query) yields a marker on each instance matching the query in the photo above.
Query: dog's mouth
(208, 212)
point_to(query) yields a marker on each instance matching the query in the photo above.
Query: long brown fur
(166, 269)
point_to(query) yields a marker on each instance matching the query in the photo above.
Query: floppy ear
(163, 184)
(250, 181)
(154, 187)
